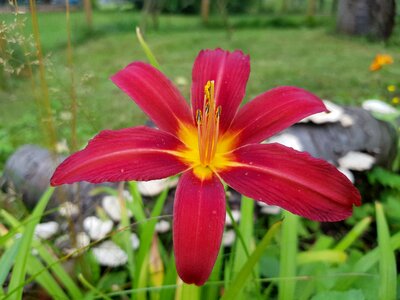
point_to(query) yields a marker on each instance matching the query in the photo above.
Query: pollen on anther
(198, 116)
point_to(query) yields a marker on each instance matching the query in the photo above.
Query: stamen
(208, 125)
(198, 117)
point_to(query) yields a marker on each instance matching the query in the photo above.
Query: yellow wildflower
(379, 61)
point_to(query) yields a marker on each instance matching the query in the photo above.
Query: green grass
(334, 67)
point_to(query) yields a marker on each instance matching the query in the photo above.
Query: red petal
(155, 94)
(294, 180)
(272, 112)
(230, 71)
(199, 218)
(138, 153)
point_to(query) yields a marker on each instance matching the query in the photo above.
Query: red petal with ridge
(230, 71)
(273, 111)
(155, 94)
(198, 225)
(295, 181)
(138, 153)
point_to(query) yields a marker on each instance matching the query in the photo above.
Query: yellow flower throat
(206, 150)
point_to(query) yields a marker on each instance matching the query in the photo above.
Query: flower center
(207, 121)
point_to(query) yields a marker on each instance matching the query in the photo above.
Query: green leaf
(7, 260)
(238, 283)
(331, 256)
(18, 275)
(335, 295)
(384, 177)
(387, 261)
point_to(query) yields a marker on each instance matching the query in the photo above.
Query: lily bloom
(213, 142)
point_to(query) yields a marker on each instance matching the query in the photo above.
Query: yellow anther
(207, 109)
(198, 116)
(218, 112)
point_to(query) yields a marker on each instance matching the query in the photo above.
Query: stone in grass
(357, 161)
(163, 226)
(154, 187)
(378, 106)
(46, 230)
(68, 210)
(64, 243)
(109, 254)
(228, 238)
(288, 140)
(135, 241)
(112, 206)
(347, 173)
(96, 228)
(235, 215)
(269, 209)
(334, 115)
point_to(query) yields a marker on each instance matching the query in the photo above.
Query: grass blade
(366, 263)
(19, 271)
(331, 256)
(146, 237)
(288, 256)
(234, 289)
(42, 276)
(387, 261)
(49, 258)
(7, 260)
(150, 56)
(92, 288)
(353, 234)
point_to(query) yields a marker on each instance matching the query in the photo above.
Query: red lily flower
(215, 141)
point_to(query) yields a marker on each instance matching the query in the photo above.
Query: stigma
(207, 121)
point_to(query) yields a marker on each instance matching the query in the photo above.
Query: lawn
(334, 67)
(270, 256)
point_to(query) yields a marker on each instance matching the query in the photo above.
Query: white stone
(378, 106)
(288, 140)
(228, 238)
(163, 226)
(269, 209)
(96, 228)
(334, 115)
(347, 173)
(110, 254)
(135, 241)
(68, 209)
(357, 161)
(235, 215)
(112, 206)
(46, 230)
(154, 187)
(82, 240)
(346, 120)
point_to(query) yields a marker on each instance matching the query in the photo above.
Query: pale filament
(208, 125)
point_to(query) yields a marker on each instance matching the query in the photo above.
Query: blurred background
(325, 46)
